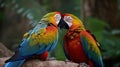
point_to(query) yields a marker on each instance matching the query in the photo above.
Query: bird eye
(68, 20)
(57, 17)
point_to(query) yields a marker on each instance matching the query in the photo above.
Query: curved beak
(62, 24)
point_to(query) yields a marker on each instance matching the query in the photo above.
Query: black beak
(62, 24)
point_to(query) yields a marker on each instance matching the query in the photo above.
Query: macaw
(80, 45)
(38, 41)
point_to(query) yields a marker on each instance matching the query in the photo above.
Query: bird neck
(77, 28)
(51, 34)
(74, 32)
(53, 21)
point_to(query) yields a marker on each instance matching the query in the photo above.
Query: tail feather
(96, 64)
(14, 64)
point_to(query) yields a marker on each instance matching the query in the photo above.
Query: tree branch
(4, 52)
(38, 63)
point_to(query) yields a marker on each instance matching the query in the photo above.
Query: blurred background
(101, 17)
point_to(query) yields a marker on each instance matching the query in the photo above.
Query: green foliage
(64, 6)
(96, 26)
(71, 6)
(109, 42)
(27, 8)
(58, 53)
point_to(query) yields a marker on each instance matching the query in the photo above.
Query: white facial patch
(57, 17)
(68, 20)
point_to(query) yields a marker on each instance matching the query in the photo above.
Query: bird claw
(67, 61)
(83, 65)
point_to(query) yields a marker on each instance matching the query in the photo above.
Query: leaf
(28, 8)
(58, 53)
(107, 39)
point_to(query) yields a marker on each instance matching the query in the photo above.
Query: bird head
(54, 18)
(73, 22)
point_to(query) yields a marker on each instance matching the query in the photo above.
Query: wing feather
(26, 49)
(91, 48)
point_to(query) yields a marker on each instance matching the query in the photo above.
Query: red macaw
(79, 44)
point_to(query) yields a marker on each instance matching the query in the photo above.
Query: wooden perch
(2, 61)
(4, 52)
(51, 63)
(38, 63)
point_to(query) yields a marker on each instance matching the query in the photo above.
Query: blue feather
(14, 64)
(97, 60)
(53, 44)
(26, 50)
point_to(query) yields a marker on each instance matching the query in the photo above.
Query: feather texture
(80, 45)
(37, 42)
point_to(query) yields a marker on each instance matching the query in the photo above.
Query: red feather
(43, 56)
(74, 48)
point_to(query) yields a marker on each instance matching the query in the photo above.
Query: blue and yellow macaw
(38, 41)
(80, 45)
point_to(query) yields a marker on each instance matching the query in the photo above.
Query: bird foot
(83, 65)
(67, 61)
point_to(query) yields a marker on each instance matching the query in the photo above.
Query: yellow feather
(43, 38)
(25, 35)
